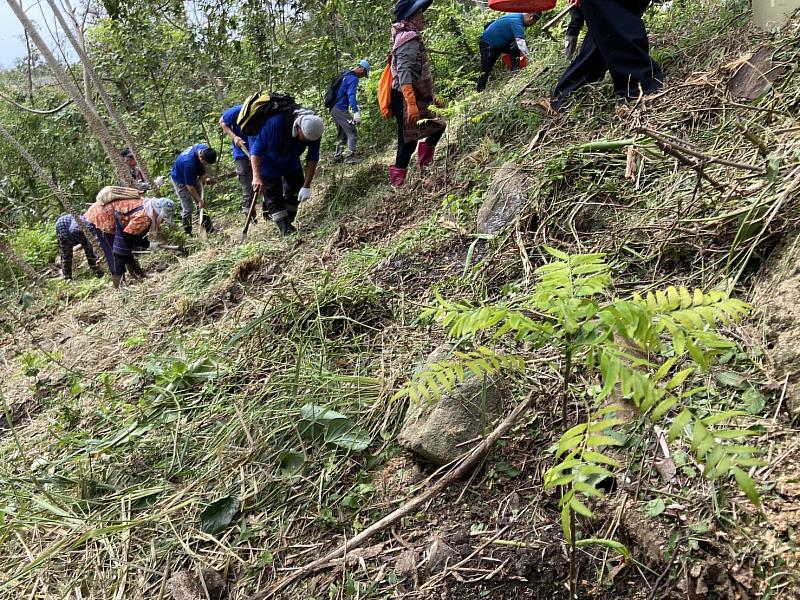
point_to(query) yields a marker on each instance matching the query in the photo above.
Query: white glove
(305, 194)
(159, 181)
(357, 118)
(523, 46)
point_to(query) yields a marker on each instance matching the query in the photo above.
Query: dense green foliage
(172, 68)
(239, 411)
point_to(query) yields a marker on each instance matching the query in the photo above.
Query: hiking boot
(285, 227)
(337, 158)
(397, 177)
(351, 159)
(187, 225)
(424, 156)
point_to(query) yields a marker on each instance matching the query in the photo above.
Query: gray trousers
(346, 128)
(187, 201)
(245, 173)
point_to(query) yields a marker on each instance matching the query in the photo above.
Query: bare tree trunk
(62, 197)
(96, 125)
(87, 83)
(30, 67)
(88, 69)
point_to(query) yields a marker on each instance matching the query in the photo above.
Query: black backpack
(333, 91)
(260, 106)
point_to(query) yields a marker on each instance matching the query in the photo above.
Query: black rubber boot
(285, 227)
(187, 226)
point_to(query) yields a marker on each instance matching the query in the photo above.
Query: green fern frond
(693, 310)
(570, 277)
(442, 377)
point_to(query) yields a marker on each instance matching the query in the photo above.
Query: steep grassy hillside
(168, 430)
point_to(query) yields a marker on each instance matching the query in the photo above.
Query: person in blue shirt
(186, 174)
(346, 122)
(275, 153)
(505, 35)
(241, 158)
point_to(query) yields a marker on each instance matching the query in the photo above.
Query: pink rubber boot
(424, 156)
(397, 177)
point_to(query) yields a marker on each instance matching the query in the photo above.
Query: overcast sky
(12, 44)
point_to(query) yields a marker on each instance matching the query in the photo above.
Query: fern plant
(643, 349)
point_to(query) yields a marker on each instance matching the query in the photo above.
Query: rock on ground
(504, 200)
(443, 430)
(185, 585)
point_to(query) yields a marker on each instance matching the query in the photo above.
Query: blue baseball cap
(364, 64)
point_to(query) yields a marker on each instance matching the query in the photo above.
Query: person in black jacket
(576, 21)
(616, 41)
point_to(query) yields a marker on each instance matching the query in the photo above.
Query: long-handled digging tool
(251, 210)
(203, 232)
(547, 26)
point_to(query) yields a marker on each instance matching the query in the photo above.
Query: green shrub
(37, 244)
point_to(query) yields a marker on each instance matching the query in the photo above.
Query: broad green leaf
(599, 458)
(580, 508)
(346, 434)
(219, 514)
(754, 400)
(721, 416)
(747, 485)
(587, 489)
(597, 441)
(663, 408)
(679, 378)
(605, 424)
(730, 379)
(565, 528)
(655, 507)
(679, 424)
(556, 253)
(291, 462)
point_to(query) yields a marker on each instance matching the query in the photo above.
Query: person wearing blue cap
(340, 113)
(412, 91)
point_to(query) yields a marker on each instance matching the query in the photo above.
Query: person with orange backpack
(412, 91)
(121, 220)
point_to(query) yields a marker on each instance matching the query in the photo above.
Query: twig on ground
(457, 473)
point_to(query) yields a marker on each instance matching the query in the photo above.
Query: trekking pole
(557, 18)
(250, 211)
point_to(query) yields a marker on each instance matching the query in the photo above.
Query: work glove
(158, 181)
(357, 118)
(305, 194)
(570, 44)
(412, 112)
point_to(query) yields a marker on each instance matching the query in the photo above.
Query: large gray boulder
(443, 430)
(505, 199)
